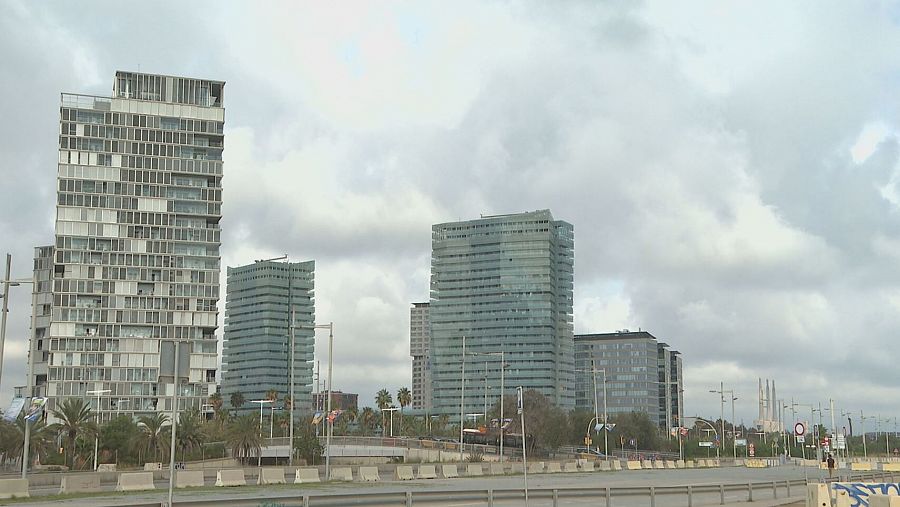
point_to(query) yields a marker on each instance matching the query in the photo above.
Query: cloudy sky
(730, 168)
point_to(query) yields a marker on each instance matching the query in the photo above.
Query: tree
(40, 439)
(383, 400)
(152, 437)
(272, 395)
(237, 400)
(307, 444)
(404, 398)
(546, 424)
(637, 426)
(367, 420)
(75, 418)
(243, 436)
(120, 435)
(189, 432)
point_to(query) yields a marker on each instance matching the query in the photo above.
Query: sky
(730, 168)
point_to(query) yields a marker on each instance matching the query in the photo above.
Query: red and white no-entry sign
(799, 429)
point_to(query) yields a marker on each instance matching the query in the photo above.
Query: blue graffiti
(858, 492)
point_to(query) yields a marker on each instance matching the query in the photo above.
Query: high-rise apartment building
(269, 306)
(135, 264)
(419, 345)
(501, 284)
(641, 373)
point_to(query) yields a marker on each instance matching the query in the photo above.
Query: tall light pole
(261, 403)
(6, 283)
(862, 420)
(462, 399)
(174, 421)
(329, 420)
(593, 371)
(391, 410)
(721, 393)
(98, 392)
(502, 388)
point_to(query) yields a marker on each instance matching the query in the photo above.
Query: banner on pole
(36, 410)
(14, 409)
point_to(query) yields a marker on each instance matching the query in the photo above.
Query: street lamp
(391, 410)
(174, 416)
(98, 392)
(721, 392)
(593, 371)
(261, 403)
(502, 389)
(328, 418)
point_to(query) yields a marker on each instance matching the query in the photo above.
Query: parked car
(588, 450)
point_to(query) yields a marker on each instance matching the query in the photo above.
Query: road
(450, 492)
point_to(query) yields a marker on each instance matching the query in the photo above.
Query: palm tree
(272, 395)
(152, 437)
(237, 399)
(74, 418)
(40, 439)
(216, 401)
(383, 400)
(404, 398)
(243, 436)
(189, 433)
(367, 419)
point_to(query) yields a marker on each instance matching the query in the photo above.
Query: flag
(15, 408)
(36, 410)
(317, 418)
(519, 403)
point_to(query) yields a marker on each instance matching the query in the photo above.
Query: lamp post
(462, 399)
(721, 392)
(862, 420)
(593, 371)
(261, 403)
(98, 392)
(391, 410)
(502, 387)
(174, 420)
(329, 420)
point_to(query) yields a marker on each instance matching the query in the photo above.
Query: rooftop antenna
(282, 258)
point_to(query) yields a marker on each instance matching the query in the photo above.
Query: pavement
(452, 492)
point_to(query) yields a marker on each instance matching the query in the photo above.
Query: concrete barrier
(616, 464)
(861, 467)
(647, 464)
(606, 466)
(702, 463)
(342, 474)
(404, 473)
(427, 472)
(272, 476)
(679, 463)
(369, 474)
(135, 481)
(449, 471)
(554, 468)
(690, 464)
(189, 479)
(670, 464)
(570, 466)
(15, 488)
(81, 483)
(497, 469)
(516, 468)
(152, 466)
(884, 501)
(536, 467)
(306, 476)
(890, 467)
(634, 465)
(230, 477)
(588, 466)
(106, 467)
(817, 495)
(474, 470)
(738, 462)
(659, 464)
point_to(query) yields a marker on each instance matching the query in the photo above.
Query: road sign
(840, 442)
(751, 450)
(706, 444)
(801, 439)
(740, 442)
(799, 429)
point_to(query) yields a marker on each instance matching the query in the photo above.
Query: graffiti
(858, 492)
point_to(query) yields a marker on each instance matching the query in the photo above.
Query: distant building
(501, 284)
(419, 344)
(262, 298)
(642, 375)
(339, 400)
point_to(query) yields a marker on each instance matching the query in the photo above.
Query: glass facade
(642, 375)
(261, 299)
(501, 283)
(135, 264)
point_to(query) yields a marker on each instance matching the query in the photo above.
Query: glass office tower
(135, 265)
(501, 283)
(262, 298)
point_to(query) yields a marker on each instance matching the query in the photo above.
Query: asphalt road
(450, 492)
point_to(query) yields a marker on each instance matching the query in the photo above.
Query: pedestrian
(830, 465)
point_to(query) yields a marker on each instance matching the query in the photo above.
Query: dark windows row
(141, 120)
